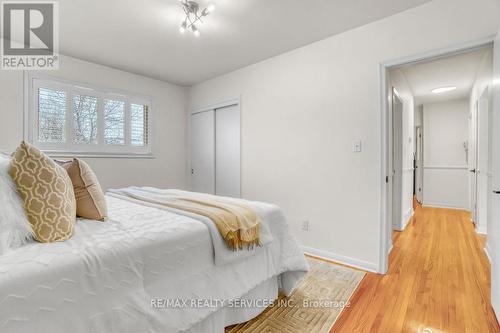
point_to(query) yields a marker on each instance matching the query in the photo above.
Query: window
(85, 119)
(70, 118)
(51, 115)
(114, 122)
(139, 119)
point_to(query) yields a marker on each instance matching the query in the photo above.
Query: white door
(472, 162)
(494, 227)
(483, 165)
(227, 151)
(397, 151)
(389, 172)
(203, 152)
(419, 163)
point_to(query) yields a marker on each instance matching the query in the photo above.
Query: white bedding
(105, 277)
(223, 255)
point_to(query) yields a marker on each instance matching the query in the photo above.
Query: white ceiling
(458, 70)
(142, 36)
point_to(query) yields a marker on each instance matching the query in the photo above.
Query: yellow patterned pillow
(47, 194)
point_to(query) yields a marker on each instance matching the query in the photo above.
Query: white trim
(63, 154)
(441, 205)
(487, 251)
(496, 309)
(390, 249)
(85, 86)
(223, 104)
(481, 230)
(445, 167)
(71, 149)
(385, 225)
(356, 263)
(405, 220)
(26, 104)
(442, 52)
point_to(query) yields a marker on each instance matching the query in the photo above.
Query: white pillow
(15, 229)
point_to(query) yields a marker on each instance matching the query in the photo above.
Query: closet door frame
(230, 102)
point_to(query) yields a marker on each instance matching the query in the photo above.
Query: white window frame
(69, 147)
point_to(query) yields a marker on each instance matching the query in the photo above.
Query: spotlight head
(182, 28)
(195, 30)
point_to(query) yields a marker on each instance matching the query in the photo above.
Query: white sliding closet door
(227, 151)
(203, 152)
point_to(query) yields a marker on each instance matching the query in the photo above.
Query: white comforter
(106, 276)
(269, 214)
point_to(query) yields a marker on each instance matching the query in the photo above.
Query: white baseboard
(487, 250)
(441, 205)
(356, 263)
(496, 309)
(407, 218)
(404, 221)
(390, 250)
(481, 230)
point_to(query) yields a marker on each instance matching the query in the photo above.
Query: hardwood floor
(438, 281)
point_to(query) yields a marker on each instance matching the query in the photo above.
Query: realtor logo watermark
(30, 31)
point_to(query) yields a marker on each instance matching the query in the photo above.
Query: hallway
(438, 281)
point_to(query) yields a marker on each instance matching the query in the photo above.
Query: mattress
(144, 270)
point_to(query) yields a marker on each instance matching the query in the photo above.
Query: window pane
(139, 125)
(85, 116)
(114, 122)
(51, 115)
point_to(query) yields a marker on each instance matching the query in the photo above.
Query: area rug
(313, 307)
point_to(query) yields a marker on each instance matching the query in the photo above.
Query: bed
(147, 269)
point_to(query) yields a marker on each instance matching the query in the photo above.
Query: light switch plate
(356, 146)
(305, 225)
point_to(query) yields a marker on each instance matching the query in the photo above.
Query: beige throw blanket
(238, 224)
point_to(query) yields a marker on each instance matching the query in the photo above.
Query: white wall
(167, 169)
(398, 81)
(301, 111)
(446, 181)
(484, 78)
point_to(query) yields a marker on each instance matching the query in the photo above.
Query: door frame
(472, 160)
(385, 223)
(225, 103)
(218, 105)
(396, 160)
(419, 167)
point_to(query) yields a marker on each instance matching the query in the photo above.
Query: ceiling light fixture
(194, 16)
(443, 90)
